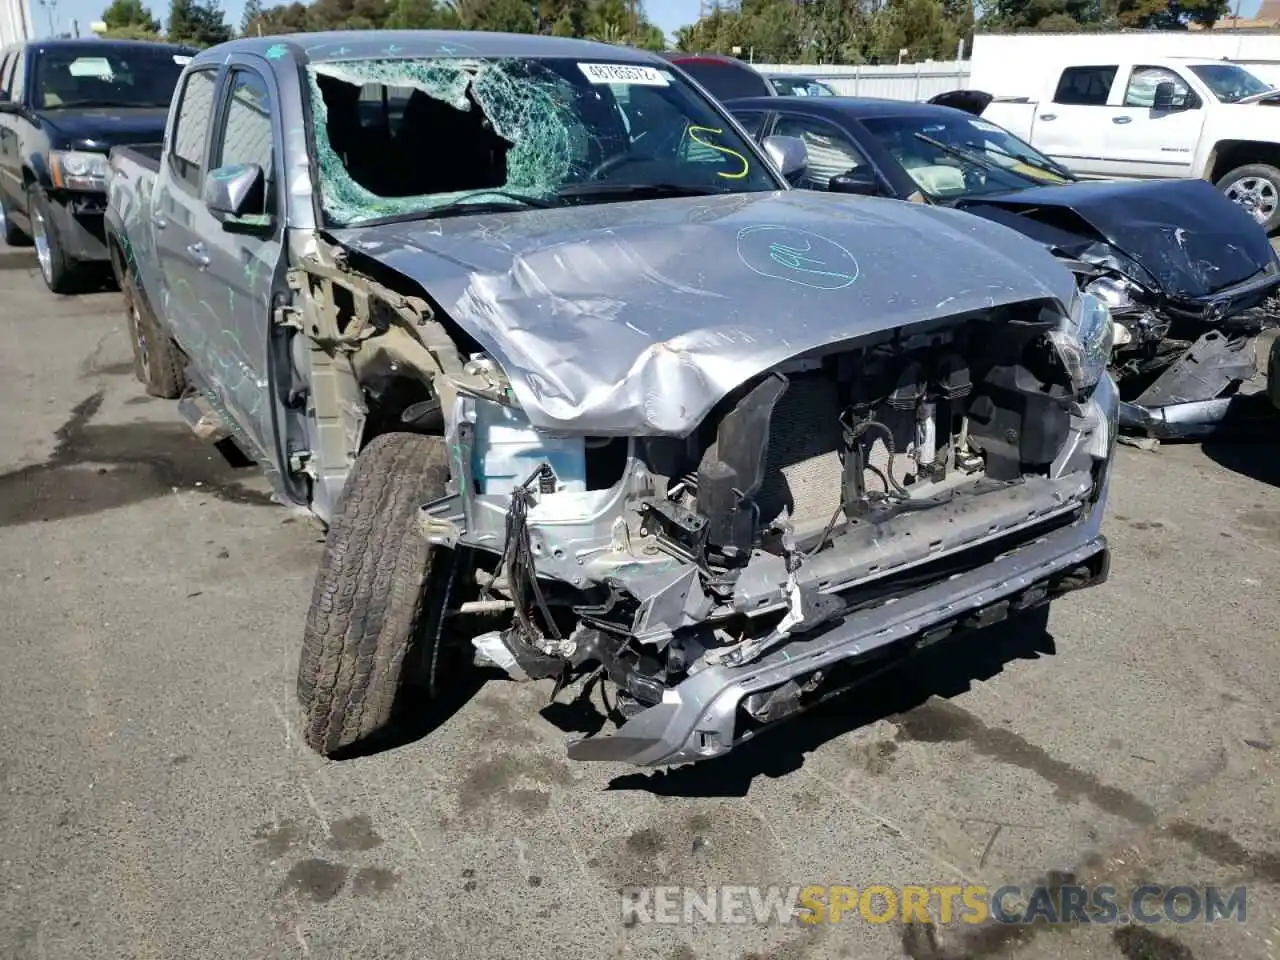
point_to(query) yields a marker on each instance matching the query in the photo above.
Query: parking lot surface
(156, 800)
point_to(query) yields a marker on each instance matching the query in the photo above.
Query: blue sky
(668, 14)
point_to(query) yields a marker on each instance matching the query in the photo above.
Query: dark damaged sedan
(1189, 277)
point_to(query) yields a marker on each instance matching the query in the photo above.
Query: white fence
(908, 81)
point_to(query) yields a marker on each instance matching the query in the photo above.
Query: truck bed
(146, 155)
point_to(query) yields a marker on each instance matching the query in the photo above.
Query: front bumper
(699, 718)
(79, 220)
(1192, 399)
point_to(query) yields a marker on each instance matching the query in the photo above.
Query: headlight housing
(1114, 292)
(1084, 342)
(78, 170)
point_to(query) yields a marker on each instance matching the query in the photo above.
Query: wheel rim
(140, 338)
(1257, 195)
(41, 239)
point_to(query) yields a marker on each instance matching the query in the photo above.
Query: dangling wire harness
(518, 562)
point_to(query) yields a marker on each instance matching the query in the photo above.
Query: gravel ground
(155, 799)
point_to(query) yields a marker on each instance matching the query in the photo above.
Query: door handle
(1048, 116)
(1121, 119)
(159, 221)
(199, 254)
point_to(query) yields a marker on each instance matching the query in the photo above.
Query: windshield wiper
(462, 206)
(1053, 169)
(964, 154)
(634, 190)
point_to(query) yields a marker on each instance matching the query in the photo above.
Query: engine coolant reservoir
(507, 450)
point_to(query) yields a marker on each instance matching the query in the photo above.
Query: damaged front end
(1189, 280)
(871, 497)
(709, 438)
(1182, 361)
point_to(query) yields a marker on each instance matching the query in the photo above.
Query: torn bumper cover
(1043, 543)
(699, 719)
(1195, 397)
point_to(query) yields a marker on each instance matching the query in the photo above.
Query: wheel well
(1229, 154)
(116, 252)
(388, 396)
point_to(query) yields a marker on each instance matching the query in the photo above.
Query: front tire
(1256, 188)
(371, 611)
(60, 272)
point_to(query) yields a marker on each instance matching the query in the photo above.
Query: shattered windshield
(968, 156)
(1229, 82)
(435, 136)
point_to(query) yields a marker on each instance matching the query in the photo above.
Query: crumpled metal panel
(1187, 235)
(634, 319)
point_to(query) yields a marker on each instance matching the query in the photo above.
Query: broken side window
(407, 136)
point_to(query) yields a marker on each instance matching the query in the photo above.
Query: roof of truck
(367, 44)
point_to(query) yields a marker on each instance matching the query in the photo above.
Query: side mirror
(789, 154)
(8, 106)
(860, 180)
(237, 195)
(1164, 96)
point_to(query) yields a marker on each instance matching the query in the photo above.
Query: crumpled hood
(1188, 236)
(99, 128)
(636, 318)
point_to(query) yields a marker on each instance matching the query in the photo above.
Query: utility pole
(51, 7)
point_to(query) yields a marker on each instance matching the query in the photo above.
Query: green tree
(503, 16)
(349, 14)
(252, 11)
(130, 15)
(920, 27)
(199, 23)
(419, 15)
(285, 18)
(565, 18)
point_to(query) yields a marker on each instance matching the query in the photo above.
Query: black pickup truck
(63, 105)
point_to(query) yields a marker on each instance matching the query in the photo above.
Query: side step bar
(203, 420)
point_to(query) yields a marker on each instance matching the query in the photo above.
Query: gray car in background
(584, 391)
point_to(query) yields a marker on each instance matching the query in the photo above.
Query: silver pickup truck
(584, 391)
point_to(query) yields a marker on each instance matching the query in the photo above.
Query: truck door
(175, 220)
(243, 258)
(11, 190)
(1146, 142)
(1073, 126)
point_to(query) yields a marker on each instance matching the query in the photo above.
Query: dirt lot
(155, 800)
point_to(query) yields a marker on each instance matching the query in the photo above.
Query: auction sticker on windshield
(624, 73)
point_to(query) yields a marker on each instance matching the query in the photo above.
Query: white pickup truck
(1158, 117)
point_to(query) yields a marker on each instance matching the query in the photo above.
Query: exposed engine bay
(830, 484)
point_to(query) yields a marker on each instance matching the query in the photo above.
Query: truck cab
(1158, 117)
